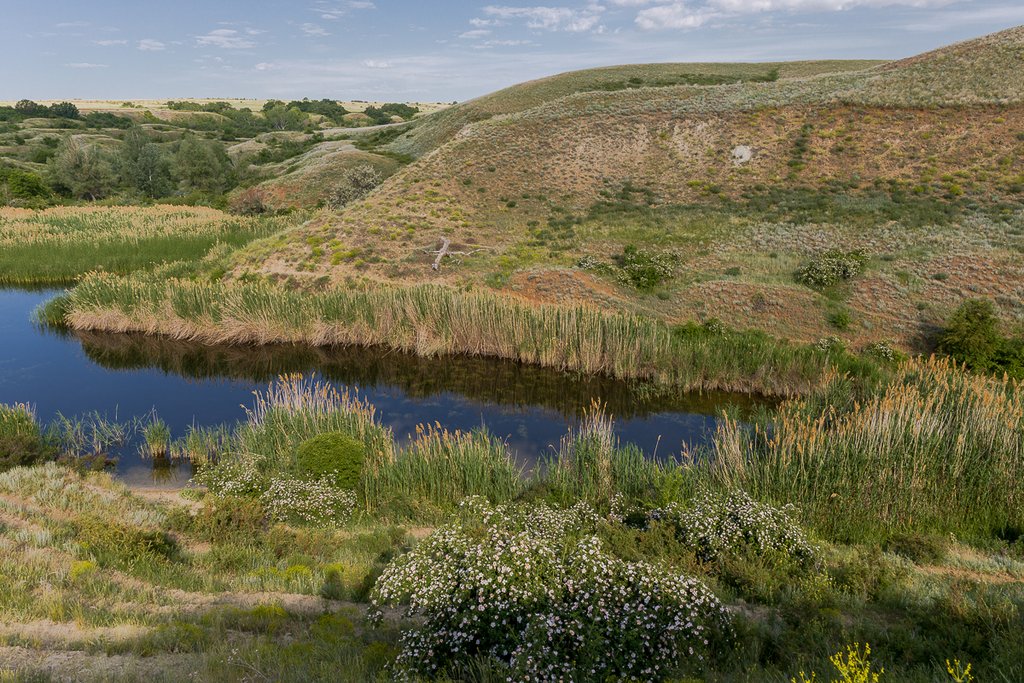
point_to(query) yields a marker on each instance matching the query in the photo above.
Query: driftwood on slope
(446, 251)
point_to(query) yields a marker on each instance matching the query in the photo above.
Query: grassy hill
(733, 176)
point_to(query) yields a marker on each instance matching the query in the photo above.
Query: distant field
(237, 103)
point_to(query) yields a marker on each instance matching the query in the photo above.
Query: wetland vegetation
(858, 516)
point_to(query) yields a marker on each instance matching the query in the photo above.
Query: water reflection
(127, 377)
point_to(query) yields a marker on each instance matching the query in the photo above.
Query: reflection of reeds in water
(429, 320)
(483, 379)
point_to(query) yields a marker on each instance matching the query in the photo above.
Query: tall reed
(439, 468)
(591, 465)
(430, 320)
(940, 449)
(296, 408)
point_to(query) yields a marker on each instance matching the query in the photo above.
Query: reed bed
(430, 320)
(591, 465)
(939, 449)
(61, 244)
(438, 469)
(296, 408)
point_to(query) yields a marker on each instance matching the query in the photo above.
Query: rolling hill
(734, 174)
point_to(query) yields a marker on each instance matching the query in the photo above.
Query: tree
(84, 169)
(281, 117)
(203, 165)
(142, 164)
(64, 110)
(972, 334)
(29, 108)
(25, 185)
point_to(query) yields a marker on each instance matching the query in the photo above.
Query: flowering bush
(717, 524)
(235, 476)
(532, 587)
(832, 267)
(311, 501)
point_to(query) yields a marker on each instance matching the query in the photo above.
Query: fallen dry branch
(446, 251)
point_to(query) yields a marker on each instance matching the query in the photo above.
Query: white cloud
(314, 30)
(376, 64)
(333, 11)
(475, 33)
(86, 65)
(487, 44)
(677, 14)
(551, 18)
(226, 38)
(108, 43)
(150, 45)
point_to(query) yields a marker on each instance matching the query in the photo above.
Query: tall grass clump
(431, 320)
(157, 438)
(438, 469)
(938, 450)
(21, 437)
(295, 409)
(591, 465)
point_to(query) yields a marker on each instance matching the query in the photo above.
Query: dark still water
(128, 376)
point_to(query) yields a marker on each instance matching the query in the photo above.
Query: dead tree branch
(446, 251)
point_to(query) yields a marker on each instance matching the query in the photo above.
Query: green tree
(203, 165)
(281, 117)
(25, 185)
(142, 164)
(84, 169)
(972, 334)
(29, 108)
(64, 110)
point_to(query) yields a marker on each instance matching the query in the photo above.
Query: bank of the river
(433, 320)
(188, 384)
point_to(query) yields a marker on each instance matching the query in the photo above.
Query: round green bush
(333, 456)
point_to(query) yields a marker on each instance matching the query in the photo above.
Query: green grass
(60, 245)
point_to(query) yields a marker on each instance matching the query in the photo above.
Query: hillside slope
(918, 162)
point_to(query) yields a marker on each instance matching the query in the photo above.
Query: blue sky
(420, 50)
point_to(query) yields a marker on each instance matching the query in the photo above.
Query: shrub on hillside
(832, 267)
(533, 589)
(972, 337)
(355, 183)
(645, 269)
(248, 202)
(334, 456)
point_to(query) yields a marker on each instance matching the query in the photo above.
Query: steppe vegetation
(811, 231)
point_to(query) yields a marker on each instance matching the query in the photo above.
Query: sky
(423, 50)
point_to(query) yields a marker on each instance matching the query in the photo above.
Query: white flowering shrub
(310, 501)
(832, 267)
(533, 588)
(717, 524)
(240, 475)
